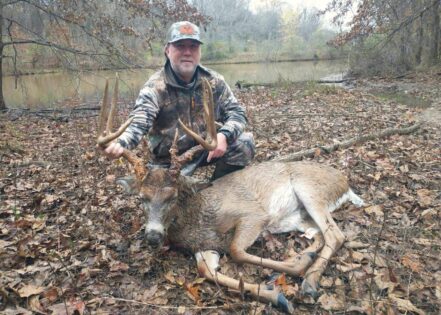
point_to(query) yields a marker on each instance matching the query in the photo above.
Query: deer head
(158, 188)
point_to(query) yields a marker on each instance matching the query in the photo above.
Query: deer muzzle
(154, 239)
(154, 233)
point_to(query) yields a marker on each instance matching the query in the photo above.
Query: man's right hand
(114, 150)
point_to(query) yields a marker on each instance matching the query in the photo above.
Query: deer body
(273, 193)
(236, 209)
(230, 214)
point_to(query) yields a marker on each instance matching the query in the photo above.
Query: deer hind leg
(313, 249)
(333, 240)
(208, 265)
(245, 235)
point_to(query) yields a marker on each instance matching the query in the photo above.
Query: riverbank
(155, 63)
(69, 236)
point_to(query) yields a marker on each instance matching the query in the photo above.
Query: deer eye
(170, 194)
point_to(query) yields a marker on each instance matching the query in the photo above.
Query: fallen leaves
(71, 240)
(28, 290)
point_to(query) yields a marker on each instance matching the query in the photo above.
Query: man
(175, 92)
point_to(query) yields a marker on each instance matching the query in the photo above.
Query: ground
(71, 241)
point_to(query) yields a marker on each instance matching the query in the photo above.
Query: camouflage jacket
(163, 100)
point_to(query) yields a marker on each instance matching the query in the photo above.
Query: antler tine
(207, 100)
(106, 136)
(104, 112)
(138, 164)
(175, 164)
(176, 161)
(109, 125)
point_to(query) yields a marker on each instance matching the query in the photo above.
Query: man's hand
(221, 148)
(114, 150)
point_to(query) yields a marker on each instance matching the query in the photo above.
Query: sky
(298, 4)
(319, 4)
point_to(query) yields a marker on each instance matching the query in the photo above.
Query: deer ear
(129, 184)
(195, 185)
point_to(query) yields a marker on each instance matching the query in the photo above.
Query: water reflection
(64, 89)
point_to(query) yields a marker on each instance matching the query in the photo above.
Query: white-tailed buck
(233, 211)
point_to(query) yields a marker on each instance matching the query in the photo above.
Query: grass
(405, 99)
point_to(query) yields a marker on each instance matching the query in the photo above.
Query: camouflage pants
(239, 153)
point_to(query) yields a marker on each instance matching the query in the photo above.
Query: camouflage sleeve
(145, 111)
(232, 114)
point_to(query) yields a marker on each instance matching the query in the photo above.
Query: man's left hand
(221, 148)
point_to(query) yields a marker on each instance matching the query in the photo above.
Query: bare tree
(309, 22)
(402, 33)
(82, 32)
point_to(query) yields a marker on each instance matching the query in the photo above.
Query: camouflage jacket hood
(164, 99)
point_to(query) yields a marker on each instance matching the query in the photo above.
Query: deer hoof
(312, 255)
(284, 305)
(310, 289)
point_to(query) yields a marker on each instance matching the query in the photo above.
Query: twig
(350, 142)
(164, 306)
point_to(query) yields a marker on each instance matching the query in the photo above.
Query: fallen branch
(348, 143)
(166, 306)
(29, 163)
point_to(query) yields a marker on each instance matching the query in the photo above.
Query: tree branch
(350, 142)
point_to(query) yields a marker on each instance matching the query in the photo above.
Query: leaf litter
(71, 241)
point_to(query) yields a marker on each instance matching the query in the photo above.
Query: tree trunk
(432, 34)
(420, 40)
(436, 32)
(2, 99)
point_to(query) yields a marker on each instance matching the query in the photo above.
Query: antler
(207, 102)
(105, 127)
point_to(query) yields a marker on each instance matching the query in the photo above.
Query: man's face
(184, 57)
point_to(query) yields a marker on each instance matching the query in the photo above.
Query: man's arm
(233, 118)
(232, 114)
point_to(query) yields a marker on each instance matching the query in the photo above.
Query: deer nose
(154, 238)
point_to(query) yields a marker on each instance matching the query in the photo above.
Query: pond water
(72, 89)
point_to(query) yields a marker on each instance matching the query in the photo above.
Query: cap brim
(182, 38)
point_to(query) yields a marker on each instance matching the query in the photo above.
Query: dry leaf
(193, 291)
(35, 305)
(280, 280)
(412, 262)
(331, 302)
(170, 277)
(29, 290)
(346, 267)
(356, 245)
(149, 293)
(376, 210)
(118, 266)
(51, 294)
(405, 305)
(425, 197)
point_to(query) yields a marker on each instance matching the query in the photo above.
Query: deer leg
(333, 238)
(208, 265)
(245, 235)
(314, 248)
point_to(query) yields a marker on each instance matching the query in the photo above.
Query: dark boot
(223, 169)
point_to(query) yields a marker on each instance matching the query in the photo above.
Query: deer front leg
(245, 235)
(208, 265)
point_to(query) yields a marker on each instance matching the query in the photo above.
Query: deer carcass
(231, 213)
